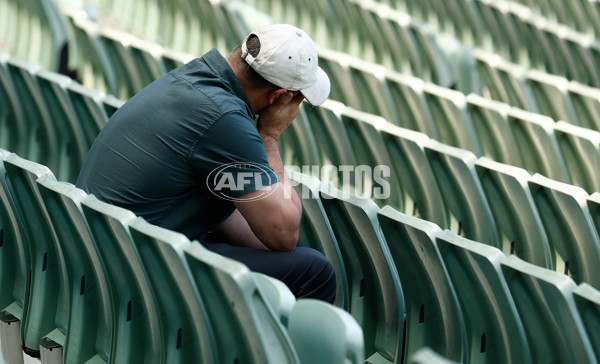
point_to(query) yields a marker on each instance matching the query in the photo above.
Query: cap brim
(319, 92)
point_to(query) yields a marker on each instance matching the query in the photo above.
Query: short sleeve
(230, 158)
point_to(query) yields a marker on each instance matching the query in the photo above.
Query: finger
(284, 99)
(298, 98)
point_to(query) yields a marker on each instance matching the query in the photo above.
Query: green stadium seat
(375, 98)
(88, 330)
(332, 140)
(407, 93)
(94, 66)
(277, 294)
(433, 314)
(519, 225)
(316, 231)
(111, 104)
(173, 59)
(376, 297)
(298, 146)
(245, 327)
(492, 87)
(187, 331)
(593, 203)
(449, 112)
(397, 29)
(422, 196)
(426, 355)
(41, 141)
(115, 44)
(579, 49)
(364, 133)
(587, 300)
(88, 109)
(574, 241)
(586, 103)
(550, 93)
(467, 208)
(536, 142)
(136, 328)
(580, 148)
(438, 69)
(336, 65)
(512, 78)
(46, 311)
(13, 130)
(493, 326)
(383, 51)
(491, 126)
(540, 294)
(147, 59)
(592, 10)
(322, 333)
(70, 138)
(14, 267)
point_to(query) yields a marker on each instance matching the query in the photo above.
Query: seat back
(41, 136)
(422, 196)
(246, 329)
(574, 241)
(433, 314)
(13, 129)
(587, 299)
(493, 132)
(519, 225)
(89, 331)
(461, 190)
(493, 326)
(137, 333)
(14, 251)
(323, 333)
(277, 294)
(316, 231)
(373, 163)
(376, 297)
(539, 294)
(580, 148)
(537, 145)
(188, 335)
(47, 307)
(70, 138)
(448, 108)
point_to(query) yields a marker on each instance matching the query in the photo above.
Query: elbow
(284, 240)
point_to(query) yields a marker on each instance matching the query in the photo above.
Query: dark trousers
(306, 272)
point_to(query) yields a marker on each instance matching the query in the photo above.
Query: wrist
(267, 136)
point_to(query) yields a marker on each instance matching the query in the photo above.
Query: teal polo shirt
(181, 150)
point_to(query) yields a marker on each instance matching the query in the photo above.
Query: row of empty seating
(582, 15)
(388, 263)
(439, 112)
(515, 32)
(348, 128)
(369, 31)
(33, 30)
(548, 223)
(109, 287)
(536, 91)
(467, 301)
(558, 150)
(566, 236)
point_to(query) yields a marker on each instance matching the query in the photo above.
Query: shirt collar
(219, 65)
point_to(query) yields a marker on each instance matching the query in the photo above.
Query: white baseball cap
(288, 59)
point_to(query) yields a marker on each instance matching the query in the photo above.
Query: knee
(321, 278)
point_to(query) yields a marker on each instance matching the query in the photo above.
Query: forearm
(236, 231)
(274, 159)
